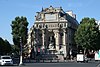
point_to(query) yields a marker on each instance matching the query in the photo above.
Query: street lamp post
(20, 51)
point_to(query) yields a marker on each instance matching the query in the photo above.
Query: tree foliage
(5, 47)
(87, 34)
(19, 30)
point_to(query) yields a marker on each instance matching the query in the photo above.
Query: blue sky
(9, 9)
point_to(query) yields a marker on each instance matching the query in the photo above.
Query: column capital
(43, 32)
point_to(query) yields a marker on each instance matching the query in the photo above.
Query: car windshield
(6, 58)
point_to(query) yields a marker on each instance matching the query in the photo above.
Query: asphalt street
(68, 64)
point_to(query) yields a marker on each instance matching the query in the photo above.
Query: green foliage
(87, 34)
(19, 29)
(5, 47)
(15, 50)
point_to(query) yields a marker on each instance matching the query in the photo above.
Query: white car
(6, 60)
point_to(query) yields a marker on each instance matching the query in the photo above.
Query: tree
(1, 46)
(87, 34)
(19, 30)
(15, 50)
(5, 47)
(8, 47)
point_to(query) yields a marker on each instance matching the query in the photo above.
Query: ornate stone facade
(52, 32)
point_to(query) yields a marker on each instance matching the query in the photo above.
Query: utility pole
(20, 51)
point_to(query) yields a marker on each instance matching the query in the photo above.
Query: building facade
(98, 23)
(52, 33)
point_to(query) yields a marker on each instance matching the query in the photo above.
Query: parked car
(6, 60)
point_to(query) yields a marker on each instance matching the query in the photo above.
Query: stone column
(43, 39)
(64, 37)
(46, 40)
(64, 43)
(57, 40)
